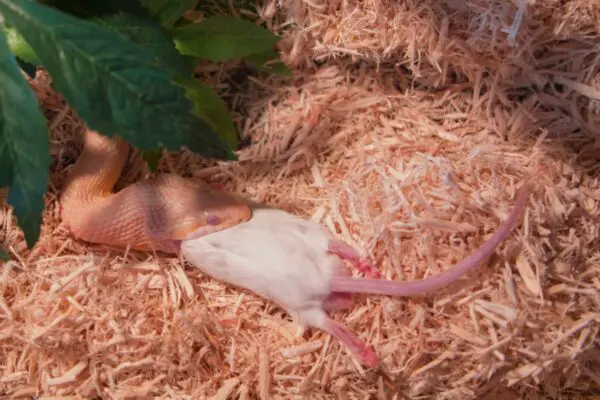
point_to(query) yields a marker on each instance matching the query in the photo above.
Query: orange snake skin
(154, 214)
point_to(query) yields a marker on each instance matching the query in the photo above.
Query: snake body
(153, 214)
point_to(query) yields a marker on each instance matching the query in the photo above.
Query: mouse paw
(368, 357)
(368, 269)
(345, 252)
(365, 353)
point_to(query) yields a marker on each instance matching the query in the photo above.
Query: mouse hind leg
(346, 252)
(319, 319)
(337, 301)
(365, 353)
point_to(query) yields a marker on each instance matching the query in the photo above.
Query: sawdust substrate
(406, 130)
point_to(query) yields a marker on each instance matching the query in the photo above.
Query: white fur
(276, 255)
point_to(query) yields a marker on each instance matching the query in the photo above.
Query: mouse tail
(394, 288)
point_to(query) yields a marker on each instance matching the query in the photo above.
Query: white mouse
(297, 264)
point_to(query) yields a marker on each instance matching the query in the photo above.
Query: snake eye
(213, 220)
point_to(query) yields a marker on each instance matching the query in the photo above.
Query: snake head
(211, 210)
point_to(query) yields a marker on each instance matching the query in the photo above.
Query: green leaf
(168, 12)
(208, 105)
(24, 150)
(4, 255)
(113, 84)
(152, 157)
(95, 8)
(222, 38)
(219, 7)
(20, 47)
(147, 33)
(267, 61)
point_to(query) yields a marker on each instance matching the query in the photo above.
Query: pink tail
(393, 288)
